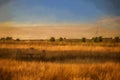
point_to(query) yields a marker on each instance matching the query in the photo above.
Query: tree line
(94, 39)
(53, 39)
(9, 39)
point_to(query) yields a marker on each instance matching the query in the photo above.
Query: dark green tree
(9, 38)
(97, 39)
(100, 39)
(116, 39)
(52, 39)
(60, 39)
(17, 39)
(3, 39)
(83, 39)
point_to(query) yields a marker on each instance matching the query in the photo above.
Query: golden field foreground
(21, 70)
(58, 61)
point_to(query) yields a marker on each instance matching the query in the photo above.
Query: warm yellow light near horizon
(106, 27)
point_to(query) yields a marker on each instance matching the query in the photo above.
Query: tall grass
(59, 61)
(63, 53)
(51, 47)
(21, 70)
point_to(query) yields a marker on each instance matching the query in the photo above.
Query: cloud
(110, 22)
(115, 19)
(107, 26)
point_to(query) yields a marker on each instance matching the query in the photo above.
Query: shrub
(9, 38)
(17, 39)
(52, 39)
(83, 39)
(100, 39)
(60, 39)
(3, 39)
(97, 39)
(116, 39)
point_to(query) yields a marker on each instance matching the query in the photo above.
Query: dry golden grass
(21, 70)
(80, 47)
(14, 69)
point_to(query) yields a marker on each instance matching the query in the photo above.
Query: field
(40, 60)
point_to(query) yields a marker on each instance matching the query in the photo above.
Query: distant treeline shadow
(32, 54)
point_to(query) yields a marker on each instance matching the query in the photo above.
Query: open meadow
(59, 39)
(42, 60)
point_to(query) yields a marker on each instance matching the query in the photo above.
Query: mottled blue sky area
(57, 11)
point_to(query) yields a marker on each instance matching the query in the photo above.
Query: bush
(97, 39)
(17, 39)
(6, 39)
(52, 39)
(100, 39)
(9, 38)
(60, 39)
(83, 39)
(3, 39)
(116, 39)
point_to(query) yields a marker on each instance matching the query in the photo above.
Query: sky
(67, 18)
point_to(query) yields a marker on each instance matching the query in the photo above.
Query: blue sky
(52, 11)
(57, 11)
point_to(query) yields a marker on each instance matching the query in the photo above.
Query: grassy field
(21, 70)
(59, 61)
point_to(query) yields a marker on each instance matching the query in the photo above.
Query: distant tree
(9, 38)
(97, 39)
(52, 39)
(116, 39)
(83, 39)
(17, 39)
(100, 39)
(3, 39)
(64, 38)
(60, 39)
(94, 39)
